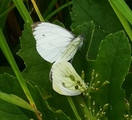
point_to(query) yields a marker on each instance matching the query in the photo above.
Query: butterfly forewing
(54, 43)
(52, 28)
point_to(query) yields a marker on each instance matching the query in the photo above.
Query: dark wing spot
(72, 77)
(78, 82)
(63, 84)
(76, 87)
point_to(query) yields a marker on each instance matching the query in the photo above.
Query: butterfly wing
(71, 49)
(51, 40)
(65, 80)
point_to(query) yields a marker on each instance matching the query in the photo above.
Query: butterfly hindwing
(65, 80)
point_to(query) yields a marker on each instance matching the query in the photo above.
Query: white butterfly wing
(55, 43)
(65, 80)
(51, 40)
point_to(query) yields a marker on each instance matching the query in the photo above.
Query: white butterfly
(66, 81)
(54, 43)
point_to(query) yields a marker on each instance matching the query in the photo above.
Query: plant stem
(57, 10)
(73, 108)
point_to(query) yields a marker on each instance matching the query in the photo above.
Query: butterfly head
(79, 40)
(34, 25)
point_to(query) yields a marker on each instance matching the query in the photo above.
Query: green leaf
(99, 11)
(102, 15)
(11, 112)
(130, 103)
(6, 69)
(48, 113)
(113, 63)
(14, 100)
(127, 85)
(9, 85)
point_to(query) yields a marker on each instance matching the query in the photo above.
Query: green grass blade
(124, 9)
(50, 7)
(5, 48)
(57, 10)
(23, 11)
(37, 10)
(123, 15)
(14, 100)
(73, 108)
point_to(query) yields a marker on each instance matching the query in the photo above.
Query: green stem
(57, 10)
(83, 106)
(37, 10)
(50, 7)
(73, 108)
